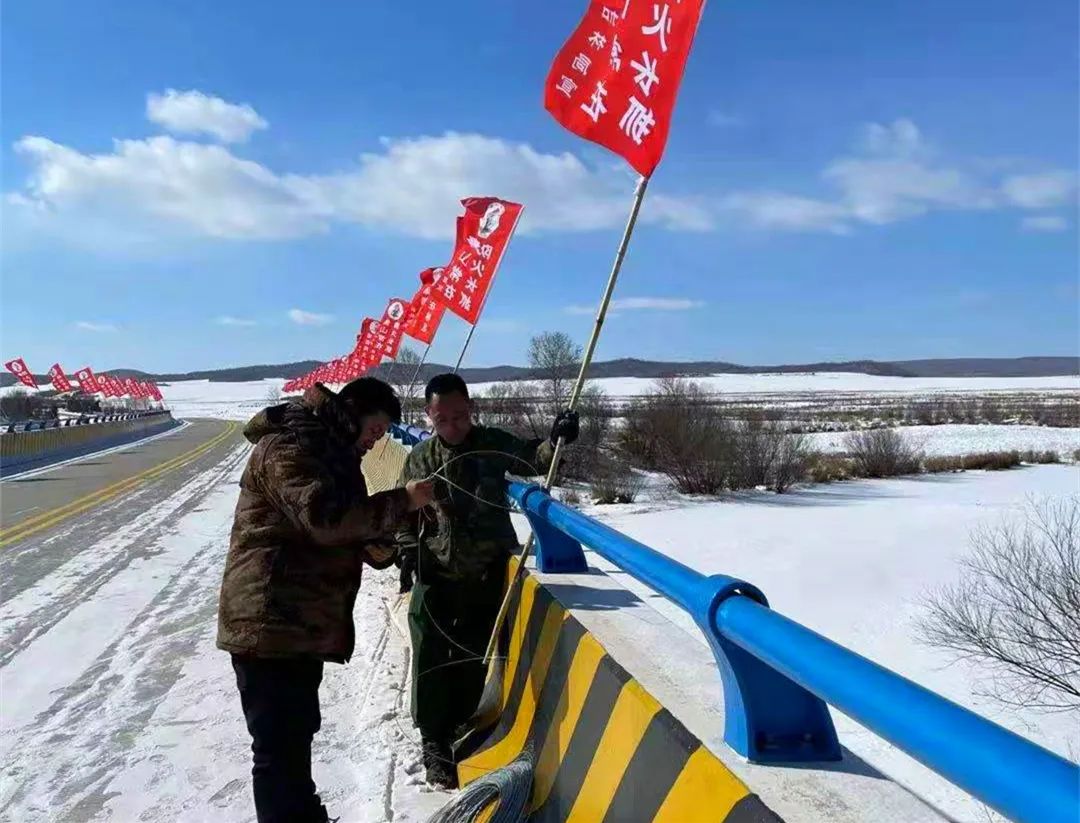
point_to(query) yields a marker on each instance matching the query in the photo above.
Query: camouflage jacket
(298, 541)
(467, 532)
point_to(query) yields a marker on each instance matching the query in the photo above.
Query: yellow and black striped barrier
(603, 748)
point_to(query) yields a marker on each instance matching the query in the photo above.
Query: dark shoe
(439, 764)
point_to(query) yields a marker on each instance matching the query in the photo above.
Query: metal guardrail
(778, 676)
(67, 422)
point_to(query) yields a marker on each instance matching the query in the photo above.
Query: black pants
(450, 623)
(280, 697)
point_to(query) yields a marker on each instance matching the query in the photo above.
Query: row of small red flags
(462, 285)
(89, 382)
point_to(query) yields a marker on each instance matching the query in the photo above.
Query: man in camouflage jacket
(457, 552)
(304, 527)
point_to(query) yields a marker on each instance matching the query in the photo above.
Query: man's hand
(566, 426)
(421, 493)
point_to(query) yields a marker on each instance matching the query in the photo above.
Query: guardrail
(778, 676)
(66, 422)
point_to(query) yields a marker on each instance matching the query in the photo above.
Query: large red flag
(18, 368)
(615, 80)
(483, 233)
(88, 382)
(59, 379)
(155, 392)
(425, 312)
(115, 385)
(132, 388)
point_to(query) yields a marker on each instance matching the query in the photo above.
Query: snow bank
(959, 439)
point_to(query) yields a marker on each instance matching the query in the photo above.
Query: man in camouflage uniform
(457, 555)
(303, 529)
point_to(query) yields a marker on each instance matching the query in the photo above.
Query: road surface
(116, 705)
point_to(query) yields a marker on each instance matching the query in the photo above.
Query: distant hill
(630, 367)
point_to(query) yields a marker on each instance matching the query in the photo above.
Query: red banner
(115, 386)
(483, 233)
(388, 333)
(365, 344)
(426, 312)
(59, 379)
(132, 388)
(18, 368)
(155, 392)
(88, 382)
(615, 80)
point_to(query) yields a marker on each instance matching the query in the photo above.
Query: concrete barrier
(602, 747)
(24, 450)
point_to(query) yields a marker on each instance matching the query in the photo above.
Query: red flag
(155, 392)
(425, 311)
(88, 382)
(615, 80)
(115, 385)
(132, 388)
(391, 328)
(483, 233)
(106, 385)
(18, 368)
(59, 379)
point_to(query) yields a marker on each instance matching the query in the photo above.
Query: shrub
(790, 463)
(1041, 457)
(615, 482)
(571, 498)
(992, 461)
(882, 453)
(823, 467)
(1015, 608)
(945, 463)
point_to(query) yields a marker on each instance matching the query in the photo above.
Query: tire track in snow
(37, 608)
(92, 721)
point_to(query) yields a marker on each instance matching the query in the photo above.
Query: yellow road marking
(45, 520)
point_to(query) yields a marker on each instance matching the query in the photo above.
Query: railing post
(768, 718)
(556, 551)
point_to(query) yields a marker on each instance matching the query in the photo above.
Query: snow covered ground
(958, 439)
(118, 707)
(855, 562)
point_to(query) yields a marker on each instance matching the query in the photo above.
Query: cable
(507, 788)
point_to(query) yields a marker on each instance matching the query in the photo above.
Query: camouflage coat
(465, 538)
(298, 541)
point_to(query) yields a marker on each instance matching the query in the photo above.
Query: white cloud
(309, 318)
(894, 175)
(227, 320)
(724, 120)
(641, 304)
(100, 328)
(1040, 191)
(192, 112)
(165, 187)
(777, 210)
(1044, 223)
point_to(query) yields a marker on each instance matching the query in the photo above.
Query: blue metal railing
(778, 677)
(89, 418)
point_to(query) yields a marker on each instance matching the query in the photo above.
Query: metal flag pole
(579, 385)
(416, 372)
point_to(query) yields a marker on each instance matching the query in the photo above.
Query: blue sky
(843, 180)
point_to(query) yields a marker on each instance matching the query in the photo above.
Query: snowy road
(114, 703)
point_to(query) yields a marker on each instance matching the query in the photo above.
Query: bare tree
(555, 360)
(1017, 608)
(402, 375)
(273, 394)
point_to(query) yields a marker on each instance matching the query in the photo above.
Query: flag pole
(416, 372)
(575, 396)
